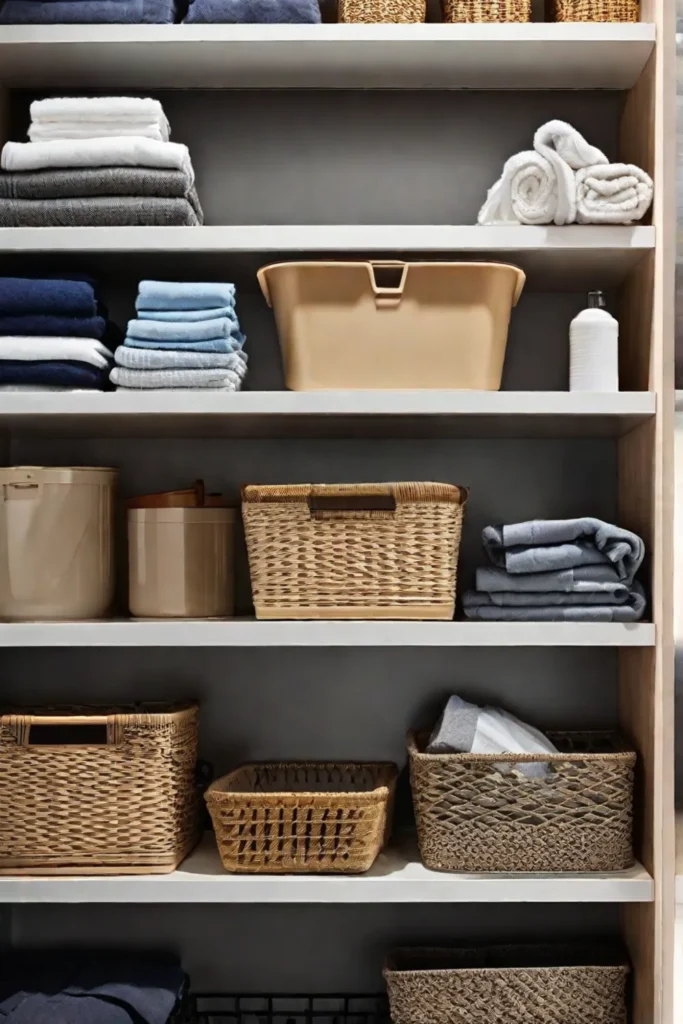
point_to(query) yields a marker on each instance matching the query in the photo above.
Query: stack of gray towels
(97, 162)
(558, 570)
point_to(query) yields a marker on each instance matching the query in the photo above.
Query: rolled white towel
(612, 194)
(119, 151)
(525, 193)
(566, 150)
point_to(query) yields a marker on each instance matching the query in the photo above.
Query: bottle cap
(596, 300)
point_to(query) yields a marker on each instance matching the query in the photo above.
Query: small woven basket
(473, 817)
(374, 12)
(308, 818)
(485, 10)
(353, 551)
(98, 791)
(508, 985)
(594, 10)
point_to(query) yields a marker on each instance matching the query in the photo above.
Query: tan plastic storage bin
(180, 562)
(391, 324)
(56, 542)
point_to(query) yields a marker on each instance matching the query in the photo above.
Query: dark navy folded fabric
(43, 325)
(254, 12)
(24, 296)
(65, 374)
(87, 12)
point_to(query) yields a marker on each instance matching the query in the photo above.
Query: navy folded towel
(87, 12)
(43, 325)
(64, 374)
(254, 12)
(24, 296)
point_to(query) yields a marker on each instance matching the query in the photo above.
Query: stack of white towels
(565, 180)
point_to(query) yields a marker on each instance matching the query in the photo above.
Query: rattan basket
(303, 817)
(549, 984)
(473, 817)
(98, 791)
(353, 551)
(485, 10)
(594, 10)
(373, 12)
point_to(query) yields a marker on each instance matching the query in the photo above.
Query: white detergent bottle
(594, 348)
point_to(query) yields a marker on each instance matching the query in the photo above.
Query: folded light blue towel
(184, 295)
(232, 344)
(87, 12)
(172, 359)
(250, 12)
(184, 330)
(188, 315)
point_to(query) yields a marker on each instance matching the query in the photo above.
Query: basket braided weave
(508, 985)
(390, 553)
(595, 10)
(373, 12)
(126, 806)
(282, 818)
(485, 10)
(471, 817)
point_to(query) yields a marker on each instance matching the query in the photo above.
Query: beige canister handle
(21, 485)
(387, 298)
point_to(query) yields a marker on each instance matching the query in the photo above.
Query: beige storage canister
(180, 562)
(382, 325)
(56, 542)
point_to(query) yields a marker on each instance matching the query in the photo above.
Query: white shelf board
(322, 633)
(327, 413)
(533, 56)
(565, 257)
(396, 877)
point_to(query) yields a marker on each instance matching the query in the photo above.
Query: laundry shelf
(327, 413)
(531, 56)
(397, 876)
(359, 633)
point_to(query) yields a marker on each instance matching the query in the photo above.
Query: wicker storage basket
(353, 551)
(485, 10)
(373, 12)
(308, 817)
(98, 791)
(472, 817)
(594, 10)
(549, 984)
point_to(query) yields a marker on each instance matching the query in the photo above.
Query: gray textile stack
(552, 570)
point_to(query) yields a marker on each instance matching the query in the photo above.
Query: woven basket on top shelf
(549, 984)
(593, 10)
(471, 816)
(375, 12)
(353, 551)
(98, 791)
(303, 817)
(485, 10)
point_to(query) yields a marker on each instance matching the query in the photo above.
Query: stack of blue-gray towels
(185, 335)
(140, 12)
(558, 570)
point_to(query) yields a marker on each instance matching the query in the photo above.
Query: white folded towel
(97, 108)
(566, 151)
(226, 380)
(38, 349)
(47, 131)
(525, 193)
(120, 151)
(612, 194)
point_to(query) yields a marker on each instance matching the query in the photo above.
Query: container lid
(182, 516)
(191, 497)
(58, 474)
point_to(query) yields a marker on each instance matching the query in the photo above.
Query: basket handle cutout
(68, 734)
(338, 506)
(388, 279)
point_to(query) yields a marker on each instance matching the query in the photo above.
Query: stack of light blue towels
(186, 335)
(558, 570)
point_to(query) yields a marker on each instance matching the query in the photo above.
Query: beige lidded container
(180, 562)
(391, 324)
(56, 542)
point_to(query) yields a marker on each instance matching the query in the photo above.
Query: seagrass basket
(471, 816)
(302, 817)
(373, 12)
(98, 791)
(594, 10)
(485, 10)
(353, 551)
(549, 984)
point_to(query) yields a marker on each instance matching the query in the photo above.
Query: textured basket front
(120, 803)
(478, 986)
(486, 10)
(283, 818)
(472, 817)
(595, 10)
(400, 12)
(359, 564)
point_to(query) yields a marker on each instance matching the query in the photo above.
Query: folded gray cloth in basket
(467, 728)
(554, 607)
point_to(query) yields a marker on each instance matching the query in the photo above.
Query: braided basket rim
(386, 776)
(391, 970)
(403, 493)
(152, 712)
(623, 755)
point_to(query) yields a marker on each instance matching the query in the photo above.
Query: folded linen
(185, 378)
(23, 388)
(48, 349)
(232, 344)
(612, 194)
(566, 151)
(184, 330)
(77, 182)
(87, 12)
(60, 326)
(515, 599)
(65, 374)
(185, 295)
(525, 193)
(99, 211)
(547, 545)
(92, 130)
(97, 108)
(601, 580)
(168, 359)
(187, 315)
(26, 296)
(262, 12)
(117, 151)
(630, 611)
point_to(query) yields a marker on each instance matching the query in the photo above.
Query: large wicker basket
(485, 10)
(594, 10)
(549, 984)
(309, 817)
(98, 791)
(473, 817)
(353, 551)
(373, 12)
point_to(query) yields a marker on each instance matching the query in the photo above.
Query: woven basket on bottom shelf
(485, 10)
(302, 817)
(594, 10)
(353, 551)
(98, 791)
(473, 817)
(375, 12)
(550, 984)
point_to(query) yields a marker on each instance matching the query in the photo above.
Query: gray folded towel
(548, 545)
(80, 182)
(584, 579)
(101, 211)
(553, 607)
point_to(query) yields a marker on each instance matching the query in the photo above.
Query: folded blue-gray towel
(254, 12)
(87, 12)
(583, 579)
(232, 344)
(184, 295)
(64, 374)
(24, 296)
(43, 325)
(482, 607)
(183, 330)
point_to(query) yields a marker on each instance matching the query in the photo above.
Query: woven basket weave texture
(486, 10)
(473, 817)
(308, 560)
(126, 806)
(308, 817)
(595, 10)
(373, 12)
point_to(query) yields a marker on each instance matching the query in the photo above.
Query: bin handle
(107, 733)
(350, 506)
(387, 298)
(521, 278)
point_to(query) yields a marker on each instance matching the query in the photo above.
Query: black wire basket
(288, 1009)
